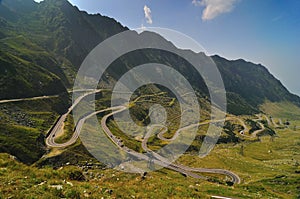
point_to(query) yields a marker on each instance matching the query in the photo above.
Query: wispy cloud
(214, 8)
(148, 16)
(196, 2)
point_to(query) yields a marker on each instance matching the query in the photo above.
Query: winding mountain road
(235, 178)
(262, 128)
(27, 99)
(50, 140)
(42, 97)
(268, 120)
(274, 123)
(141, 156)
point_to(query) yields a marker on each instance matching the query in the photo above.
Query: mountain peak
(57, 2)
(68, 35)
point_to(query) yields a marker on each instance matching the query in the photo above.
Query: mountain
(251, 85)
(42, 45)
(52, 37)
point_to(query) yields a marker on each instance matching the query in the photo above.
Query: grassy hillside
(42, 46)
(52, 38)
(23, 126)
(285, 110)
(269, 169)
(20, 78)
(252, 82)
(46, 40)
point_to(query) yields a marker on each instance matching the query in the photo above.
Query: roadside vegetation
(268, 169)
(24, 125)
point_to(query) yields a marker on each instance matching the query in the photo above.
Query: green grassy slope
(20, 78)
(284, 110)
(56, 36)
(23, 126)
(268, 169)
(42, 46)
(46, 39)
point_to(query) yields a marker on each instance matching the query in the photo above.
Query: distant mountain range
(42, 45)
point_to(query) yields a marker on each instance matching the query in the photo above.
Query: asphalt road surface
(159, 160)
(50, 140)
(235, 178)
(27, 99)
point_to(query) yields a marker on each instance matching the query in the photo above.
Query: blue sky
(261, 31)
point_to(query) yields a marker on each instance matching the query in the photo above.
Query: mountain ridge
(67, 35)
(42, 45)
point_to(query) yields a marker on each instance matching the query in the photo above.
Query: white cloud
(214, 8)
(196, 2)
(148, 16)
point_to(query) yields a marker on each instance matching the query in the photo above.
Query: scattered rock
(70, 183)
(58, 187)
(109, 191)
(42, 183)
(13, 157)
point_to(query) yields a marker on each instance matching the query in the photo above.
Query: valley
(61, 140)
(246, 156)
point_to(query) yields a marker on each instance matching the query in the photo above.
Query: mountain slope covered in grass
(42, 45)
(51, 39)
